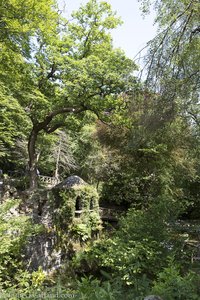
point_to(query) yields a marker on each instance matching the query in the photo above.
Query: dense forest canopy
(70, 105)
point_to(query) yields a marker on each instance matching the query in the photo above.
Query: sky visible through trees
(135, 31)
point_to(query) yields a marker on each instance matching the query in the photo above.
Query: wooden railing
(49, 181)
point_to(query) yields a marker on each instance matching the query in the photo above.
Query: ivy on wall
(76, 212)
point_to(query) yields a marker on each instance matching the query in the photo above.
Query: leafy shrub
(92, 289)
(32, 292)
(14, 230)
(81, 231)
(138, 250)
(172, 285)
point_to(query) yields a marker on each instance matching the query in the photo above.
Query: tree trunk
(33, 158)
(58, 159)
(44, 125)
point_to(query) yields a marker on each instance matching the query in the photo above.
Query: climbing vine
(77, 212)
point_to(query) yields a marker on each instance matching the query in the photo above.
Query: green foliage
(12, 116)
(81, 231)
(68, 74)
(140, 248)
(84, 227)
(26, 281)
(14, 231)
(89, 221)
(21, 25)
(64, 208)
(90, 72)
(61, 69)
(22, 21)
(32, 291)
(90, 288)
(171, 62)
(140, 251)
(88, 196)
(172, 285)
(145, 169)
(38, 278)
(88, 151)
(81, 226)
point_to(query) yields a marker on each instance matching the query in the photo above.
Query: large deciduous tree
(78, 71)
(62, 68)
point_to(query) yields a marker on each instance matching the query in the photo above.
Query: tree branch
(51, 73)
